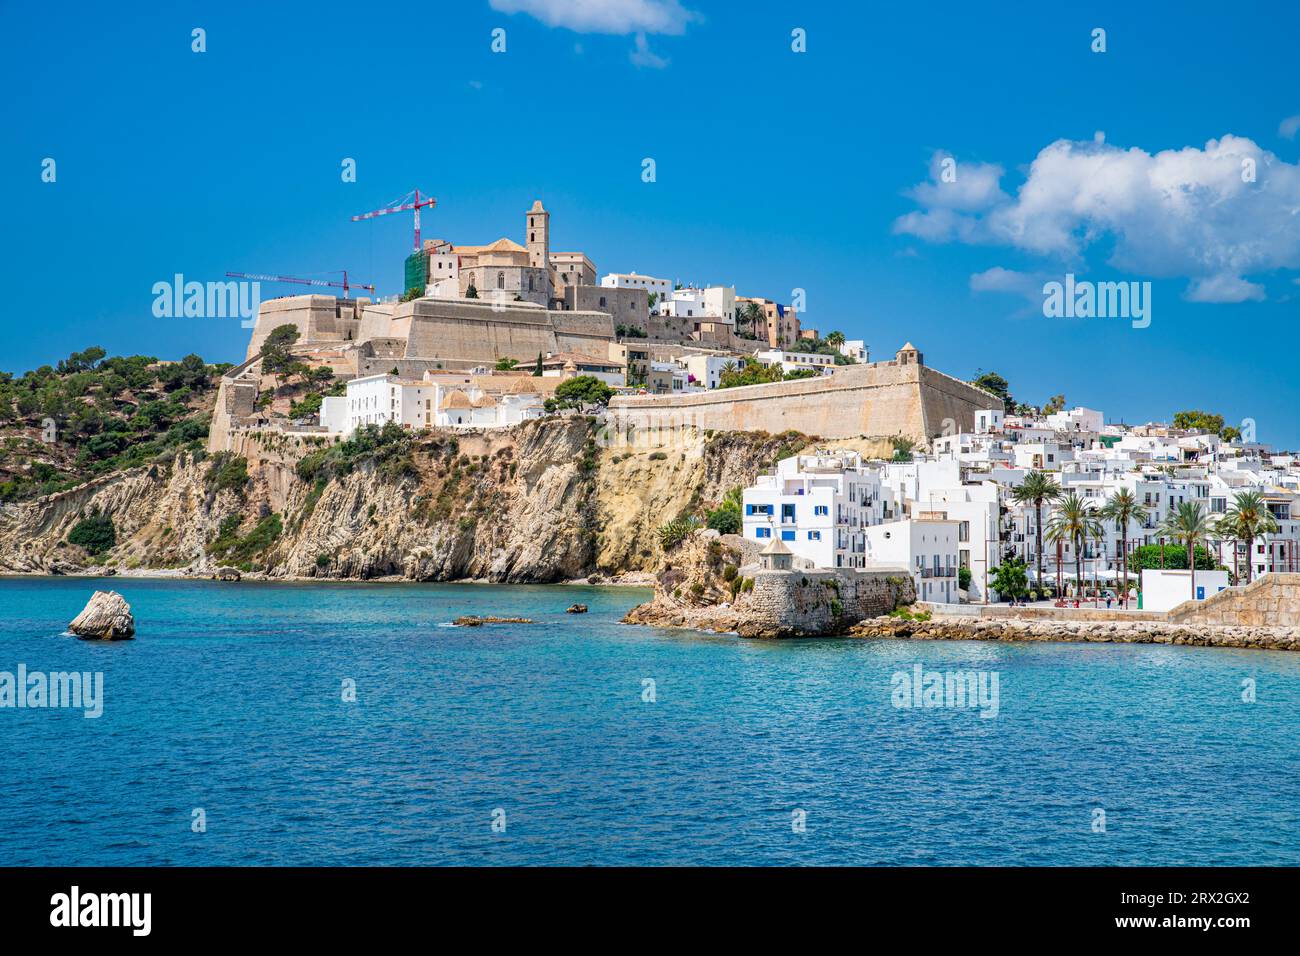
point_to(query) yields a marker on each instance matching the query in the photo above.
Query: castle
(470, 306)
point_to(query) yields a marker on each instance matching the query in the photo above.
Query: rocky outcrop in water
(106, 617)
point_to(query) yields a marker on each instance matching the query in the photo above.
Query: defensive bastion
(902, 397)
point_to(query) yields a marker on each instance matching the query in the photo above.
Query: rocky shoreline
(1105, 632)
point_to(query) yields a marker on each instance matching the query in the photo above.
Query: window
(787, 535)
(501, 280)
(762, 532)
(814, 535)
(821, 510)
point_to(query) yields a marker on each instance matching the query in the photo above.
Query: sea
(350, 724)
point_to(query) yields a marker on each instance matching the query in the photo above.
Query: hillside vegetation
(91, 414)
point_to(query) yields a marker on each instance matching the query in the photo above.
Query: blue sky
(775, 170)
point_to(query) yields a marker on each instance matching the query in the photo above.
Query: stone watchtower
(777, 556)
(537, 236)
(909, 355)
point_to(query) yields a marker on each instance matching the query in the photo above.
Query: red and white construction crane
(345, 285)
(410, 201)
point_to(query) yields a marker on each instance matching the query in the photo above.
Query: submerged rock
(473, 620)
(106, 617)
(576, 609)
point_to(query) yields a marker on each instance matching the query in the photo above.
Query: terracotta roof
(457, 399)
(501, 245)
(485, 401)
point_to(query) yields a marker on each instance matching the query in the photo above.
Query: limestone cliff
(544, 501)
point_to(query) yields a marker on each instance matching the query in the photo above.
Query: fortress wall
(316, 317)
(799, 602)
(948, 404)
(875, 400)
(1271, 600)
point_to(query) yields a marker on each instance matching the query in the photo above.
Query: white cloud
(998, 279)
(605, 16)
(644, 56)
(1289, 127)
(1224, 288)
(1177, 213)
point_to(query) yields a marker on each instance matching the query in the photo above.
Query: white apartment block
(928, 545)
(819, 505)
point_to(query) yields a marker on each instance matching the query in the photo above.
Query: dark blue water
(230, 700)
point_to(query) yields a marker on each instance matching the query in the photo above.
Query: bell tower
(537, 236)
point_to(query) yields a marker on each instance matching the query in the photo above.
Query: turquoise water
(230, 700)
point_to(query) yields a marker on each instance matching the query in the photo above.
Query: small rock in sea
(473, 620)
(106, 617)
(576, 609)
(226, 574)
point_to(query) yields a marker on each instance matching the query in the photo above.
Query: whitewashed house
(927, 544)
(819, 505)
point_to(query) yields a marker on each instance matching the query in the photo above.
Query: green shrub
(675, 532)
(95, 533)
(227, 471)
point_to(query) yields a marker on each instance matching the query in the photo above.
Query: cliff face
(540, 502)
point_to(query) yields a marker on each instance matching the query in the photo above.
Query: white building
(926, 544)
(988, 420)
(680, 377)
(789, 361)
(714, 302)
(1077, 419)
(379, 399)
(819, 505)
(660, 288)
(1164, 590)
(706, 369)
(856, 349)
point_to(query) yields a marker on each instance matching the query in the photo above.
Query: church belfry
(537, 236)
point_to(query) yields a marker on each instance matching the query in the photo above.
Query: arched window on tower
(530, 283)
(501, 280)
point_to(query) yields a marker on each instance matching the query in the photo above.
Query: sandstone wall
(1271, 600)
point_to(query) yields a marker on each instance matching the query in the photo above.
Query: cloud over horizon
(1186, 213)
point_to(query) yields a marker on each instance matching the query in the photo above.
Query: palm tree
(1075, 521)
(835, 339)
(1249, 517)
(1123, 508)
(1037, 488)
(729, 367)
(1188, 524)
